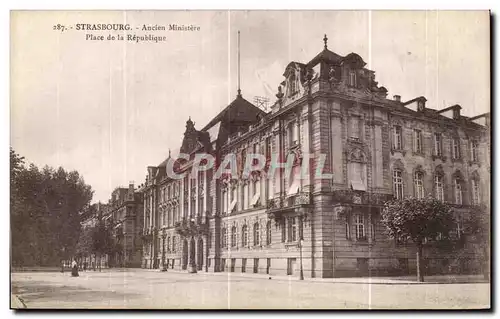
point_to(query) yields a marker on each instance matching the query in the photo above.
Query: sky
(109, 109)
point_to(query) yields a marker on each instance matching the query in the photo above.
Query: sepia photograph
(250, 160)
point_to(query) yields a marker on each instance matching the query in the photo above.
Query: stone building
(375, 148)
(126, 213)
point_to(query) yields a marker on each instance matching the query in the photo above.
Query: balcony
(360, 198)
(192, 227)
(278, 206)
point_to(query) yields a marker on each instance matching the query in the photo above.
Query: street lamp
(301, 241)
(192, 253)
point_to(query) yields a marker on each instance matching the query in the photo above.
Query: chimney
(397, 98)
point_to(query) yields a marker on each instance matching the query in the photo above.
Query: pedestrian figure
(74, 269)
(85, 266)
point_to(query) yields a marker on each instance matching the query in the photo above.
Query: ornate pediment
(294, 84)
(356, 155)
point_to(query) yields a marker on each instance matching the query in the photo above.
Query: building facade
(125, 211)
(331, 114)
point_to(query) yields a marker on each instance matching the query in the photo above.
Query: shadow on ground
(36, 291)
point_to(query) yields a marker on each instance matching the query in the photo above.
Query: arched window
(244, 236)
(439, 187)
(268, 233)
(397, 181)
(256, 234)
(233, 236)
(419, 185)
(458, 190)
(173, 244)
(476, 195)
(168, 244)
(224, 237)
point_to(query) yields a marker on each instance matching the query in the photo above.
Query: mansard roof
(326, 56)
(239, 111)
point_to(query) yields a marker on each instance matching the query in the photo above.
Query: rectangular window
(456, 148)
(372, 230)
(458, 192)
(438, 185)
(352, 78)
(397, 142)
(417, 141)
(347, 229)
(292, 229)
(354, 127)
(233, 236)
(245, 196)
(438, 147)
(357, 172)
(474, 151)
(256, 193)
(233, 199)
(293, 131)
(224, 202)
(359, 226)
(419, 185)
(397, 180)
(294, 181)
(268, 147)
(475, 192)
(283, 231)
(269, 188)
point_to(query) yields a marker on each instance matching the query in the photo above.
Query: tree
(415, 220)
(102, 239)
(46, 207)
(477, 227)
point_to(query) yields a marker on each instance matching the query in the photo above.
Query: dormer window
(293, 84)
(352, 78)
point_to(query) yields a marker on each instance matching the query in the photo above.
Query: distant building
(91, 218)
(376, 148)
(126, 212)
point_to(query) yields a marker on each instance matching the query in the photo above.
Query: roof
(326, 56)
(238, 110)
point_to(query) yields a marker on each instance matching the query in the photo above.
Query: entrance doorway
(200, 254)
(192, 253)
(184, 254)
(292, 262)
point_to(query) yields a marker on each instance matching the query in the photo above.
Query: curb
(375, 281)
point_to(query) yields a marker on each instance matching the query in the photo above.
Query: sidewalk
(397, 280)
(16, 302)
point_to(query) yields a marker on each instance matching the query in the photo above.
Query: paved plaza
(147, 289)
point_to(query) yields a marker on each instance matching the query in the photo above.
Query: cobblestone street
(135, 289)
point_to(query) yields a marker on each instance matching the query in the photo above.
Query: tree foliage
(413, 220)
(478, 228)
(46, 205)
